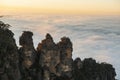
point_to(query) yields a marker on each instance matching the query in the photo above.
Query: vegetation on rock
(9, 61)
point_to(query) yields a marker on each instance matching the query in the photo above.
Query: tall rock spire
(65, 67)
(27, 55)
(49, 57)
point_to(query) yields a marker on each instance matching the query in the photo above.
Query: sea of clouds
(92, 36)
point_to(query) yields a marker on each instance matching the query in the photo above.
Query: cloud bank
(92, 36)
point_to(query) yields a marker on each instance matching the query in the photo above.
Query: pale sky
(61, 6)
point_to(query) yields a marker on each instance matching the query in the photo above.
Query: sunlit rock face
(49, 56)
(9, 69)
(27, 55)
(57, 58)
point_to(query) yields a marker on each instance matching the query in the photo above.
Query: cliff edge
(50, 61)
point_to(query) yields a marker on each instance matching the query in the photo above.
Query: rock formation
(27, 56)
(49, 57)
(50, 61)
(9, 58)
(90, 70)
(65, 67)
(55, 59)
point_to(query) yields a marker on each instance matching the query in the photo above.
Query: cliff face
(65, 67)
(49, 57)
(9, 60)
(55, 59)
(27, 56)
(50, 61)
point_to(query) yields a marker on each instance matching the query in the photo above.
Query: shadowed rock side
(88, 69)
(27, 56)
(50, 61)
(9, 60)
(65, 67)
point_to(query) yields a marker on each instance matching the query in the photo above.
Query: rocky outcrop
(50, 61)
(49, 57)
(55, 59)
(88, 69)
(65, 67)
(27, 56)
(9, 59)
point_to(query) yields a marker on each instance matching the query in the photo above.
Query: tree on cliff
(4, 26)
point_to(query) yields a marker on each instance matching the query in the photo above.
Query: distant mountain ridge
(1, 16)
(50, 61)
